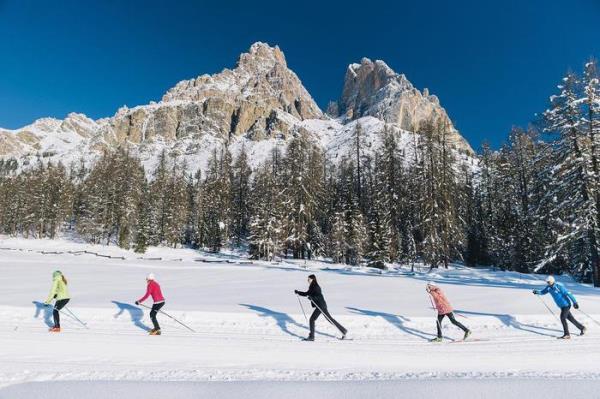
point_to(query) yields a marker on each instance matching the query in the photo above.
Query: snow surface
(248, 323)
(414, 389)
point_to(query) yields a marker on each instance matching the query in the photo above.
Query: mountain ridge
(259, 101)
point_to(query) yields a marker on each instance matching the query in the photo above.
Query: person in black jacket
(318, 302)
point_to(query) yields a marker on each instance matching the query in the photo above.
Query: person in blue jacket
(563, 299)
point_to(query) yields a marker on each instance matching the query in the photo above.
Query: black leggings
(452, 320)
(315, 315)
(565, 314)
(155, 308)
(58, 305)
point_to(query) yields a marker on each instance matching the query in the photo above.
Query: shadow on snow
(135, 313)
(283, 320)
(46, 310)
(395, 320)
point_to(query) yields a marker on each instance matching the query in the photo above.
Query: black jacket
(315, 295)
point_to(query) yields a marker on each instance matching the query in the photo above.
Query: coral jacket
(440, 301)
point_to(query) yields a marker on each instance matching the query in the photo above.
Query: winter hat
(150, 276)
(431, 284)
(550, 280)
(56, 274)
(312, 277)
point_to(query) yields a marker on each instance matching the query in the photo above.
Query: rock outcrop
(254, 98)
(372, 88)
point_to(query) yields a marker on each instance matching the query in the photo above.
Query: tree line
(533, 205)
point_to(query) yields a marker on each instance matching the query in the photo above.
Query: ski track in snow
(248, 322)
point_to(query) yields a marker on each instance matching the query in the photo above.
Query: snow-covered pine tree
(217, 200)
(591, 125)
(143, 230)
(302, 195)
(241, 191)
(194, 230)
(379, 229)
(175, 210)
(443, 228)
(573, 185)
(337, 245)
(266, 236)
(391, 196)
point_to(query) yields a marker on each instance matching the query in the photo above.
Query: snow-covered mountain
(258, 104)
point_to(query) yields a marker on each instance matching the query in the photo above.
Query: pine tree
(573, 184)
(241, 191)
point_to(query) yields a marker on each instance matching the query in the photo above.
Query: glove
(296, 292)
(576, 305)
(47, 304)
(137, 302)
(536, 292)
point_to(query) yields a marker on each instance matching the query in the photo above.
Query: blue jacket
(560, 294)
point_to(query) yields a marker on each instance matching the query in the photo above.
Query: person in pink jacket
(443, 307)
(153, 290)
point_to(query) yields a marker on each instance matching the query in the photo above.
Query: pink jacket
(153, 290)
(440, 301)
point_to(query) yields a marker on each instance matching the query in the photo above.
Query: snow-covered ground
(248, 323)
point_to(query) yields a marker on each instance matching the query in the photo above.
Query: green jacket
(59, 289)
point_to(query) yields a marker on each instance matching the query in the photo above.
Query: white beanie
(550, 279)
(150, 276)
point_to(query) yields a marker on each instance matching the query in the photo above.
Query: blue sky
(492, 64)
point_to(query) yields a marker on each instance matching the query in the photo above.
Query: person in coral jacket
(444, 309)
(153, 290)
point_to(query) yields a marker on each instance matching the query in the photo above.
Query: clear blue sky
(493, 64)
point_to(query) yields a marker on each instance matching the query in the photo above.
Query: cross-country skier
(153, 290)
(60, 293)
(444, 309)
(563, 299)
(318, 302)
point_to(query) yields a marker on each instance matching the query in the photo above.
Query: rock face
(372, 88)
(257, 97)
(255, 105)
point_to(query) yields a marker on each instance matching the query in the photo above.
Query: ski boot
(309, 338)
(467, 335)
(566, 336)
(583, 331)
(436, 339)
(154, 332)
(54, 330)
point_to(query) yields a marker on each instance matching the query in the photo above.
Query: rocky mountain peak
(262, 54)
(372, 88)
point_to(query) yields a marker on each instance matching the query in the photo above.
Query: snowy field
(249, 323)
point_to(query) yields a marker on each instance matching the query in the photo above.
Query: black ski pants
(315, 315)
(565, 314)
(155, 308)
(452, 320)
(58, 305)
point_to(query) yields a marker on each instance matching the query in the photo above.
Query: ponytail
(64, 279)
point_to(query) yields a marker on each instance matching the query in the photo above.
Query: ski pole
(302, 307)
(589, 317)
(76, 318)
(437, 320)
(325, 315)
(547, 307)
(71, 317)
(169, 316)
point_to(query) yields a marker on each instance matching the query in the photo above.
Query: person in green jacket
(60, 293)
